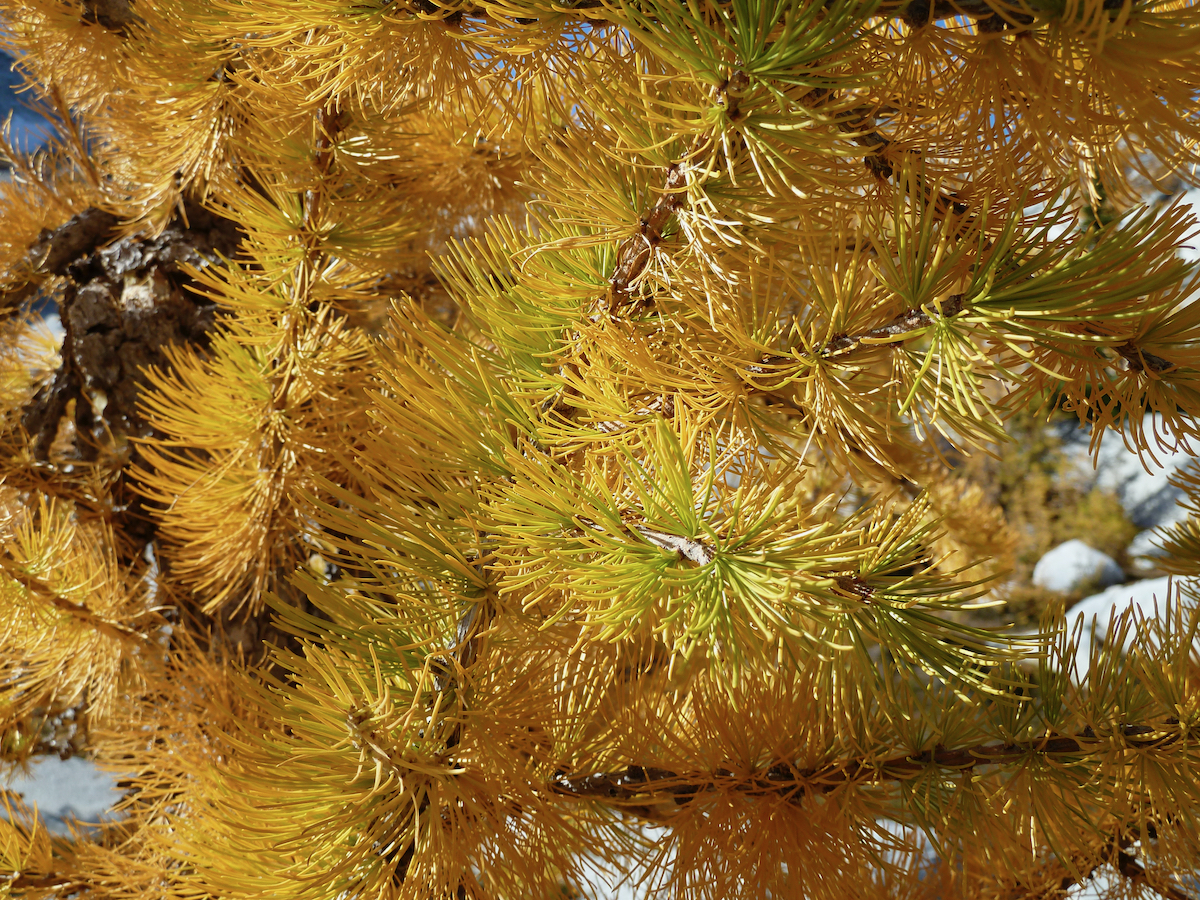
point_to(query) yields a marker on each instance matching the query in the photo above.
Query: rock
(65, 789)
(1144, 553)
(1074, 565)
(1152, 597)
(1148, 497)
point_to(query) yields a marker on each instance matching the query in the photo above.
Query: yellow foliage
(497, 444)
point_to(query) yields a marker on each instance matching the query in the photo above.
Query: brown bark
(121, 306)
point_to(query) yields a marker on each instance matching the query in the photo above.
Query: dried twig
(690, 549)
(1139, 360)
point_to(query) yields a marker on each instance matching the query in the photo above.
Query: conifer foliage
(497, 446)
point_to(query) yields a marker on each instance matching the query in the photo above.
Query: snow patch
(1072, 565)
(1153, 597)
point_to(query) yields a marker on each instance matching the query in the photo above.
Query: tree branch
(121, 307)
(902, 326)
(640, 786)
(1128, 866)
(916, 13)
(14, 569)
(690, 549)
(114, 15)
(635, 252)
(1140, 360)
(1114, 852)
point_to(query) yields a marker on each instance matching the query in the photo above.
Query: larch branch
(638, 785)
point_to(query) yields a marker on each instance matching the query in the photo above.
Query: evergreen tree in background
(496, 444)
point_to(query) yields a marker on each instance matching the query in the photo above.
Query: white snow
(1192, 252)
(1152, 597)
(64, 789)
(1070, 566)
(1148, 498)
(1144, 551)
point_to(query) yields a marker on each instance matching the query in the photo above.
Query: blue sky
(26, 124)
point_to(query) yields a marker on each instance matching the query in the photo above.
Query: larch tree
(500, 445)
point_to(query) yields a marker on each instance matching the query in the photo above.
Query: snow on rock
(1191, 252)
(1147, 496)
(65, 789)
(1152, 597)
(1072, 565)
(1144, 552)
(1105, 882)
